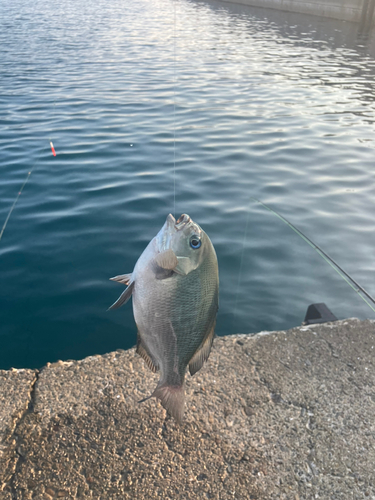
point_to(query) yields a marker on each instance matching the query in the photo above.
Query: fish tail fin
(172, 397)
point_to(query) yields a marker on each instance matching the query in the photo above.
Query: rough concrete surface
(286, 415)
(15, 395)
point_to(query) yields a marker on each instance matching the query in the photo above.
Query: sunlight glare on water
(268, 104)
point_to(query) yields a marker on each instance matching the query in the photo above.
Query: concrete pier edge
(286, 415)
(345, 10)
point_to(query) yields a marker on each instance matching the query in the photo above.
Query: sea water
(225, 102)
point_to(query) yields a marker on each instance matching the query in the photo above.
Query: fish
(175, 292)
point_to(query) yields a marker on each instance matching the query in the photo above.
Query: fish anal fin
(144, 353)
(125, 279)
(172, 398)
(202, 353)
(166, 259)
(124, 297)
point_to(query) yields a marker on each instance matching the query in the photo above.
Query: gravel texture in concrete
(288, 415)
(16, 387)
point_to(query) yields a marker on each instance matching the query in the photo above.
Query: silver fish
(175, 288)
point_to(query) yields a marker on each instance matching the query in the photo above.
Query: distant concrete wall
(348, 10)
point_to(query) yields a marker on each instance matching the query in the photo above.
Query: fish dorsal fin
(124, 297)
(166, 259)
(125, 279)
(202, 353)
(145, 354)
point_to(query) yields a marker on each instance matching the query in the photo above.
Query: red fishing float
(53, 149)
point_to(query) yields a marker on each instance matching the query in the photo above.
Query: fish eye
(195, 242)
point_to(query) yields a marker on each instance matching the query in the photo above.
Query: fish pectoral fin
(125, 279)
(145, 354)
(202, 353)
(166, 259)
(124, 297)
(184, 266)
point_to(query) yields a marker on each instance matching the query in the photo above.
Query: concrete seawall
(348, 10)
(287, 415)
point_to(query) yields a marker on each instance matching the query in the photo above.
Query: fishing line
(174, 109)
(22, 187)
(339, 270)
(240, 271)
(26, 180)
(18, 195)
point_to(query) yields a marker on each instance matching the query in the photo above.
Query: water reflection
(306, 28)
(342, 49)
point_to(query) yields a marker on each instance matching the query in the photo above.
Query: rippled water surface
(267, 104)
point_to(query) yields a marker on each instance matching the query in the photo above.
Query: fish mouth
(182, 221)
(171, 226)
